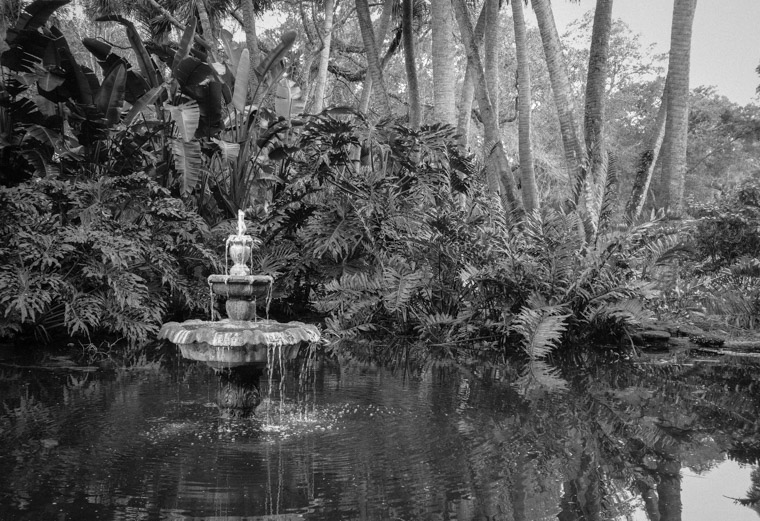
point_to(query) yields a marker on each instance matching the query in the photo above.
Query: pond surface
(359, 442)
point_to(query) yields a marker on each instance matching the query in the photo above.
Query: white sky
(725, 46)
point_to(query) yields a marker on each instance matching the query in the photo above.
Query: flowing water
(617, 441)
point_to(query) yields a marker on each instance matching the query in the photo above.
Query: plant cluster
(107, 258)
(723, 276)
(398, 241)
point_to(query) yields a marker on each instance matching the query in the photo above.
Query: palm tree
(324, 57)
(498, 171)
(596, 87)
(677, 125)
(575, 153)
(444, 77)
(370, 47)
(382, 28)
(527, 171)
(647, 161)
(412, 86)
(468, 88)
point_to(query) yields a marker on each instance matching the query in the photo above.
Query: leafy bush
(729, 228)
(107, 258)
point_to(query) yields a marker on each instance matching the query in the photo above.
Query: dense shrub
(729, 227)
(103, 259)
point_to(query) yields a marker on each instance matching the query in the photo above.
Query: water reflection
(363, 443)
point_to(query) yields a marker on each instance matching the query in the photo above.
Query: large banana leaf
(136, 85)
(230, 151)
(233, 49)
(186, 117)
(184, 45)
(143, 102)
(147, 67)
(110, 97)
(276, 55)
(188, 162)
(241, 81)
(35, 15)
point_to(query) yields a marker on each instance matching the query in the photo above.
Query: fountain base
(232, 343)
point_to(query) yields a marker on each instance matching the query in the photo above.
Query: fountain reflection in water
(241, 346)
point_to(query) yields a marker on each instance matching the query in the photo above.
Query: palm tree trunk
(444, 63)
(252, 44)
(575, 153)
(677, 124)
(208, 32)
(412, 85)
(468, 89)
(498, 171)
(647, 162)
(527, 171)
(370, 47)
(324, 58)
(492, 52)
(596, 84)
(382, 29)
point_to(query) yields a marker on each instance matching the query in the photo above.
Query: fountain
(242, 345)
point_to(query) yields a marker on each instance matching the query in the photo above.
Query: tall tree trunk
(669, 488)
(527, 171)
(677, 124)
(324, 58)
(444, 63)
(468, 88)
(370, 47)
(208, 32)
(382, 29)
(647, 162)
(412, 86)
(491, 54)
(498, 171)
(575, 153)
(593, 124)
(252, 44)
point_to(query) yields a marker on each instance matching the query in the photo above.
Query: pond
(628, 441)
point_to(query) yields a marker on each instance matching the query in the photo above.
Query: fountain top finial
(241, 228)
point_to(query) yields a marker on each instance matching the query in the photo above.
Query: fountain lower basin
(233, 343)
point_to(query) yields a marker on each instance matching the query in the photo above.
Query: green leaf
(36, 15)
(147, 67)
(186, 117)
(185, 44)
(143, 102)
(188, 161)
(110, 96)
(241, 81)
(230, 151)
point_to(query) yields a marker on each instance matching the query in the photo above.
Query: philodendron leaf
(188, 162)
(186, 117)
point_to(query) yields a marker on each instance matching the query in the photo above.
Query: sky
(725, 47)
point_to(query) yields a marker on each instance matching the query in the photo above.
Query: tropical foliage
(105, 259)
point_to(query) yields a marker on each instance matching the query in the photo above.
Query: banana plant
(240, 168)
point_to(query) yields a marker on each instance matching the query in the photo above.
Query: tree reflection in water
(601, 441)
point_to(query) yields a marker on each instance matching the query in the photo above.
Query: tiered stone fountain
(240, 346)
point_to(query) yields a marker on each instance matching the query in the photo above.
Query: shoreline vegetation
(118, 186)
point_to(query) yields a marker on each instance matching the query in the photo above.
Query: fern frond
(541, 329)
